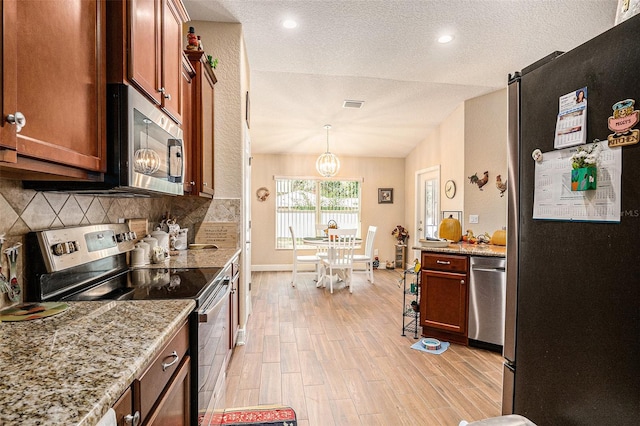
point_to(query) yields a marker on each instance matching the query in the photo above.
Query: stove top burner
(154, 284)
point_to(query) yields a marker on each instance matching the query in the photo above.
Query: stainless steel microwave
(145, 150)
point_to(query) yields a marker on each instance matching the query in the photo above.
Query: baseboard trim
(242, 337)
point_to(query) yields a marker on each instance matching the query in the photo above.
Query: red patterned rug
(263, 415)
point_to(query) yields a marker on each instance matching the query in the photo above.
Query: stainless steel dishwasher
(487, 288)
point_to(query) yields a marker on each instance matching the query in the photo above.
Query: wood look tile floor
(340, 359)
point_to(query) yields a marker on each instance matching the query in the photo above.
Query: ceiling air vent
(352, 104)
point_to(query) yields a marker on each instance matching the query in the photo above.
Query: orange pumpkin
(450, 229)
(499, 237)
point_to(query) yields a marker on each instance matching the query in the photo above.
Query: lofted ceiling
(386, 54)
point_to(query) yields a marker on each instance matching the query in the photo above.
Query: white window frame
(305, 226)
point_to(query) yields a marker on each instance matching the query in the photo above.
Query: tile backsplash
(25, 210)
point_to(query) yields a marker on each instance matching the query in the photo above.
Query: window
(301, 203)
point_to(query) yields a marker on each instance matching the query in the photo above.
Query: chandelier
(146, 160)
(327, 164)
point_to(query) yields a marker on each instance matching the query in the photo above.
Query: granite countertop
(203, 258)
(68, 369)
(468, 249)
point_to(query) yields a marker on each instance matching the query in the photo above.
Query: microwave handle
(176, 162)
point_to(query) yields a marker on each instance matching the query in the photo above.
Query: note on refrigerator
(571, 125)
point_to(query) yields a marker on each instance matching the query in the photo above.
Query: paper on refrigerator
(553, 198)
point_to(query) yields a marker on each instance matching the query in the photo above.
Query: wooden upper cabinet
(188, 74)
(173, 16)
(202, 118)
(145, 43)
(53, 74)
(144, 48)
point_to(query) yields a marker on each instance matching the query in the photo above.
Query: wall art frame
(385, 195)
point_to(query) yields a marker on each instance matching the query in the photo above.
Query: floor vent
(352, 104)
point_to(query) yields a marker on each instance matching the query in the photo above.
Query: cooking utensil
(12, 255)
(4, 284)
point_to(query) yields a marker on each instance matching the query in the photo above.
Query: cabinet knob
(133, 420)
(192, 183)
(18, 119)
(161, 90)
(167, 96)
(462, 282)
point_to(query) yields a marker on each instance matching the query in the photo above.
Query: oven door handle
(209, 310)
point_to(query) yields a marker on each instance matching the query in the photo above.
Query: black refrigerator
(572, 334)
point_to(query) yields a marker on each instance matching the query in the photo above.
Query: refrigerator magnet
(624, 119)
(537, 155)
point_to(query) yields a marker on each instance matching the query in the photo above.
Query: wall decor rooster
(480, 182)
(502, 186)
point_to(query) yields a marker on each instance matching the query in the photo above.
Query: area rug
(263, 415)
(419, 346)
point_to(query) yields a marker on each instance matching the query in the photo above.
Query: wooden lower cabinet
(444, 297)
(173, 406)
(161, 394)
(124, 409)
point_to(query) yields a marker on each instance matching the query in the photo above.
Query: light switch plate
(473, 218)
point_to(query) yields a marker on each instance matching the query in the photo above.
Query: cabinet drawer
(152, 382)
(444, 262)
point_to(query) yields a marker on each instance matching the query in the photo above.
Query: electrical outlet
(473, 218)
(375, 252)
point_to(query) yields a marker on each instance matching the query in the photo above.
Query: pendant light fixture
(146, 160)
(327, 164)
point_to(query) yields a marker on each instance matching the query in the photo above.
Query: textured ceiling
(386, 54)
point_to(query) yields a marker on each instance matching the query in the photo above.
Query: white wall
(486, 150)
(472, 138)
(225, 42)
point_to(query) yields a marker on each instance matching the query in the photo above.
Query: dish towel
(109, 419)
(419, 346)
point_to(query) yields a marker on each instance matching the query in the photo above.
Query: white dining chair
(339, 258)
(321, 250)
(367, 257)
(302, 260)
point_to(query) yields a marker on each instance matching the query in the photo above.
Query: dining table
(323, 243)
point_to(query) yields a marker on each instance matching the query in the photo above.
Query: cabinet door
(202, 119)
(444, 301)
(171, 60)
(144, 47)
(173, 406)
(55, 77)
(188, 74)
(207, 134)
(124, 409)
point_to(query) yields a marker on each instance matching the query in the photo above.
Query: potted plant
(584, 165)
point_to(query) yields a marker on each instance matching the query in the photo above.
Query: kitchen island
(446, 285)
(68, 369)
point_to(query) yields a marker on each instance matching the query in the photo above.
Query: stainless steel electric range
(90, 263)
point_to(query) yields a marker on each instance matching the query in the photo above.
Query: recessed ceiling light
(445, 38)
(289, 23)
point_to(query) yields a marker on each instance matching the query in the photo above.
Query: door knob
(18, 119)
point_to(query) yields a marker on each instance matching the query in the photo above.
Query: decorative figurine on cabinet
(192, 39)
